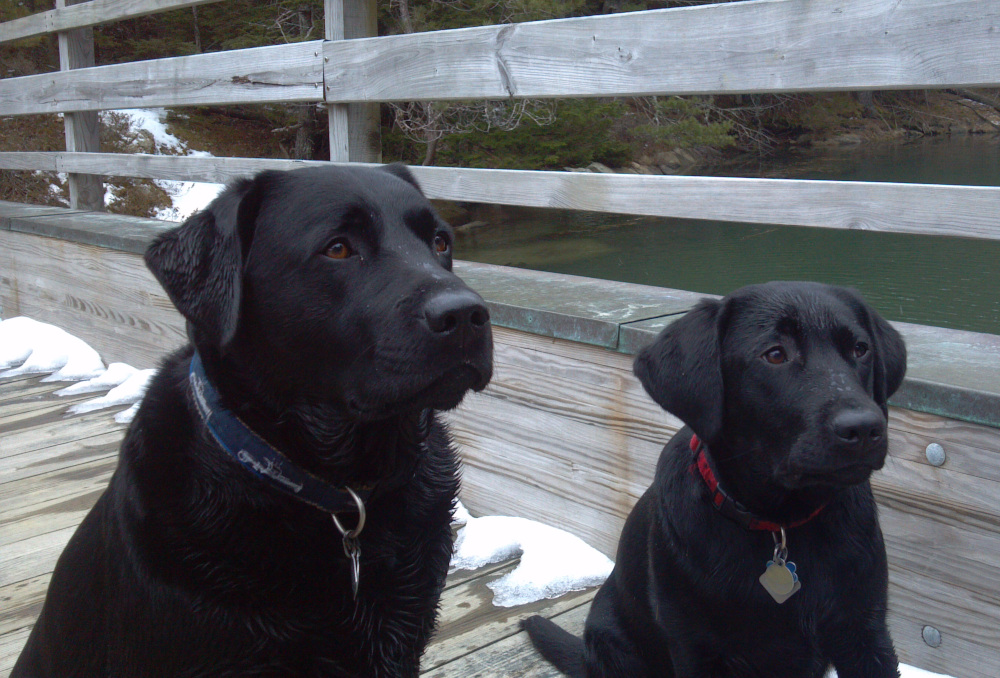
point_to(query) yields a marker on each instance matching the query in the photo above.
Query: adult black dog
(327, 328)
(783, 388)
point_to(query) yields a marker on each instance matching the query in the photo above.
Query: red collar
(728, 506)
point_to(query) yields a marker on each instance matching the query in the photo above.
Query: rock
(600, 167)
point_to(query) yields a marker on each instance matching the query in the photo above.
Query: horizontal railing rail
(753, 46)
(928, 209)
(87, 14)
(740, 47)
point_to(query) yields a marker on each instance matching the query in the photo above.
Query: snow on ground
(553, 562)
(30, 347)
(188, 196)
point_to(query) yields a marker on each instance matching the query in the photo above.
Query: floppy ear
(200, 263)
(682, 371)
(890, 351)
(890, 358)
(403, 172)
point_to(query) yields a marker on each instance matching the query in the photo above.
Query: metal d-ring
(780, 547)
(352, 534)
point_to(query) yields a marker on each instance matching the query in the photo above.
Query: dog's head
(791, 377)
(332, 285)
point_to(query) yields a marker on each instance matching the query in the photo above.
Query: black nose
(859, 428)
(456, 310)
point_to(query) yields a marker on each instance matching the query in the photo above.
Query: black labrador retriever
(757, 550)
(282, 502)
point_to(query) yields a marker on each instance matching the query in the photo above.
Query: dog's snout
(858, 428)
(456, 310)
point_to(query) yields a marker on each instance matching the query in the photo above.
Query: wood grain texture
(929, 209)
(87, 14)
(743, 47)
(104, 296)
(469, 620)
(279, 73)
(511, 656)
(76, 50)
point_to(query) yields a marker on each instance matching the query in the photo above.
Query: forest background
(653, 135)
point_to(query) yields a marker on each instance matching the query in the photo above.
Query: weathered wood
(10, 647)
(54, 458)
(44, 435)
(279, 73)
(67, 508)
(83, 131)
(511, 656)
(742, 47)
(20, 604)
(33, 556)
(469, 620)
(11, 413)
(970, 627)
(87, 14)
(354, 128)
(104, 296)
(929, 209)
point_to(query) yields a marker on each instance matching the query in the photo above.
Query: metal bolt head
(931, 636)
(935, 454)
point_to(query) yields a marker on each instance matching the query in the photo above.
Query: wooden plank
(11, 413)
(44, 435)
(354, 128)
(929, 209)
(21, 602)
(106, 297)
(959, 556)
(278, 73)
(970, 626)
(36, 389)
(10, 647)
(87, 14)
(32, 556)
(54, 500)
(969, 448)
(469, 620)
(76, 50)
(740, 47)
(41, 461)
(511, 656)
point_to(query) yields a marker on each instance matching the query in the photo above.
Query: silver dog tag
(780, 580)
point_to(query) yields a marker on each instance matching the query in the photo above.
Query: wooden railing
(740, 47)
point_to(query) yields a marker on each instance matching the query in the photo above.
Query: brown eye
(775, 355)
(339, 249)
(441, 244)
(860, 349)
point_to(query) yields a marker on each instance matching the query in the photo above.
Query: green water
(947, 282)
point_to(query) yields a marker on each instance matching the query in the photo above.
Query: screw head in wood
(931, 636)
(935, 454)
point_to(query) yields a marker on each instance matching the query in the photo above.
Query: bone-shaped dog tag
(780, 580)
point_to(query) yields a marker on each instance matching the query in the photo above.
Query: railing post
(354, 128)
(76, 50)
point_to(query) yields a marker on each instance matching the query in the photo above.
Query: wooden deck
(53, 467)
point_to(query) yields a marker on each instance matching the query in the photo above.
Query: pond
(947, 282)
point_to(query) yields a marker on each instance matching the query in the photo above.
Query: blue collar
(261, 458)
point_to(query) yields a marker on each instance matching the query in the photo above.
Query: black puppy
(326, 328)
(783, 388)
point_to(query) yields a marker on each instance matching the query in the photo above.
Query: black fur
(189, 565)
(684, 597)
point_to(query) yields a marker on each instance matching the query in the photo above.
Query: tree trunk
(197, 30)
